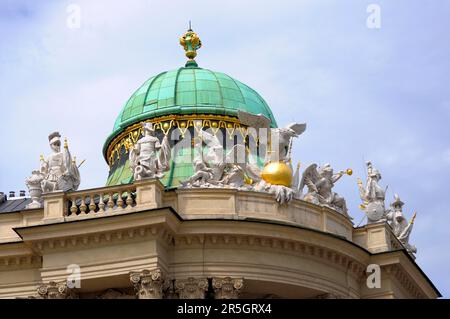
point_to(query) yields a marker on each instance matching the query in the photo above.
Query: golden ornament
(277, 173)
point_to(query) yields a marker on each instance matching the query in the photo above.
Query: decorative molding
(149, 284)
(355, 268)
(191, 288)
(27, 261)
(227, 288)
(83, 240)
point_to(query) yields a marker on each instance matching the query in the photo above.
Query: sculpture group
(320, 183)
(215, 166)
(59, 172)
(373, 197)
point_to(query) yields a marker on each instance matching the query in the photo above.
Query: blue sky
(379, 94)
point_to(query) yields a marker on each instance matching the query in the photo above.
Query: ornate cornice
(355, 267)
(405, 280)
(27, 261)
(84, 240)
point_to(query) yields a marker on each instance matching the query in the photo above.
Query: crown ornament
(190, 42)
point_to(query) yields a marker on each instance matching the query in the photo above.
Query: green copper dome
(190, 90)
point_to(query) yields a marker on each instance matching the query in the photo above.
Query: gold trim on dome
(131, 134)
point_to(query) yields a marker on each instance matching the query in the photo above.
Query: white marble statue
(59, 172)
(279, 150)
(149, 158)
(400, 226)
(372, 196)
(320, 183)
(283, 138)
(202, 175)
(212, 168)
(280, 138)
(59, 169)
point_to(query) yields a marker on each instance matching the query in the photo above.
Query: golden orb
(166, 125)
(277, 173)
(349, 172)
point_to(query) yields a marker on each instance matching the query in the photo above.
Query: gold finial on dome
(191, 43)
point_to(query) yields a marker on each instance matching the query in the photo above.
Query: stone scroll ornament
(59, 172)
(148, 157)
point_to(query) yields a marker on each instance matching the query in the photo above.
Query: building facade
(176, 220)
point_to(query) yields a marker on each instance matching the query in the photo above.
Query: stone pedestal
(376, 237)
(149, 193)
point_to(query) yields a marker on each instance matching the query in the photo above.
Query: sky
(367, 91)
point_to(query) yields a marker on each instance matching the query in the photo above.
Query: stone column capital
(191, 288)
(148, 284)
(54, 290)
(227, 288)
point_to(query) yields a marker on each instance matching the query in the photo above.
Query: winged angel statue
(279, 150)
(320, 182)
(145, 162)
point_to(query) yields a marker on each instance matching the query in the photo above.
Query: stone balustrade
(97, 201)
(194, 203)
